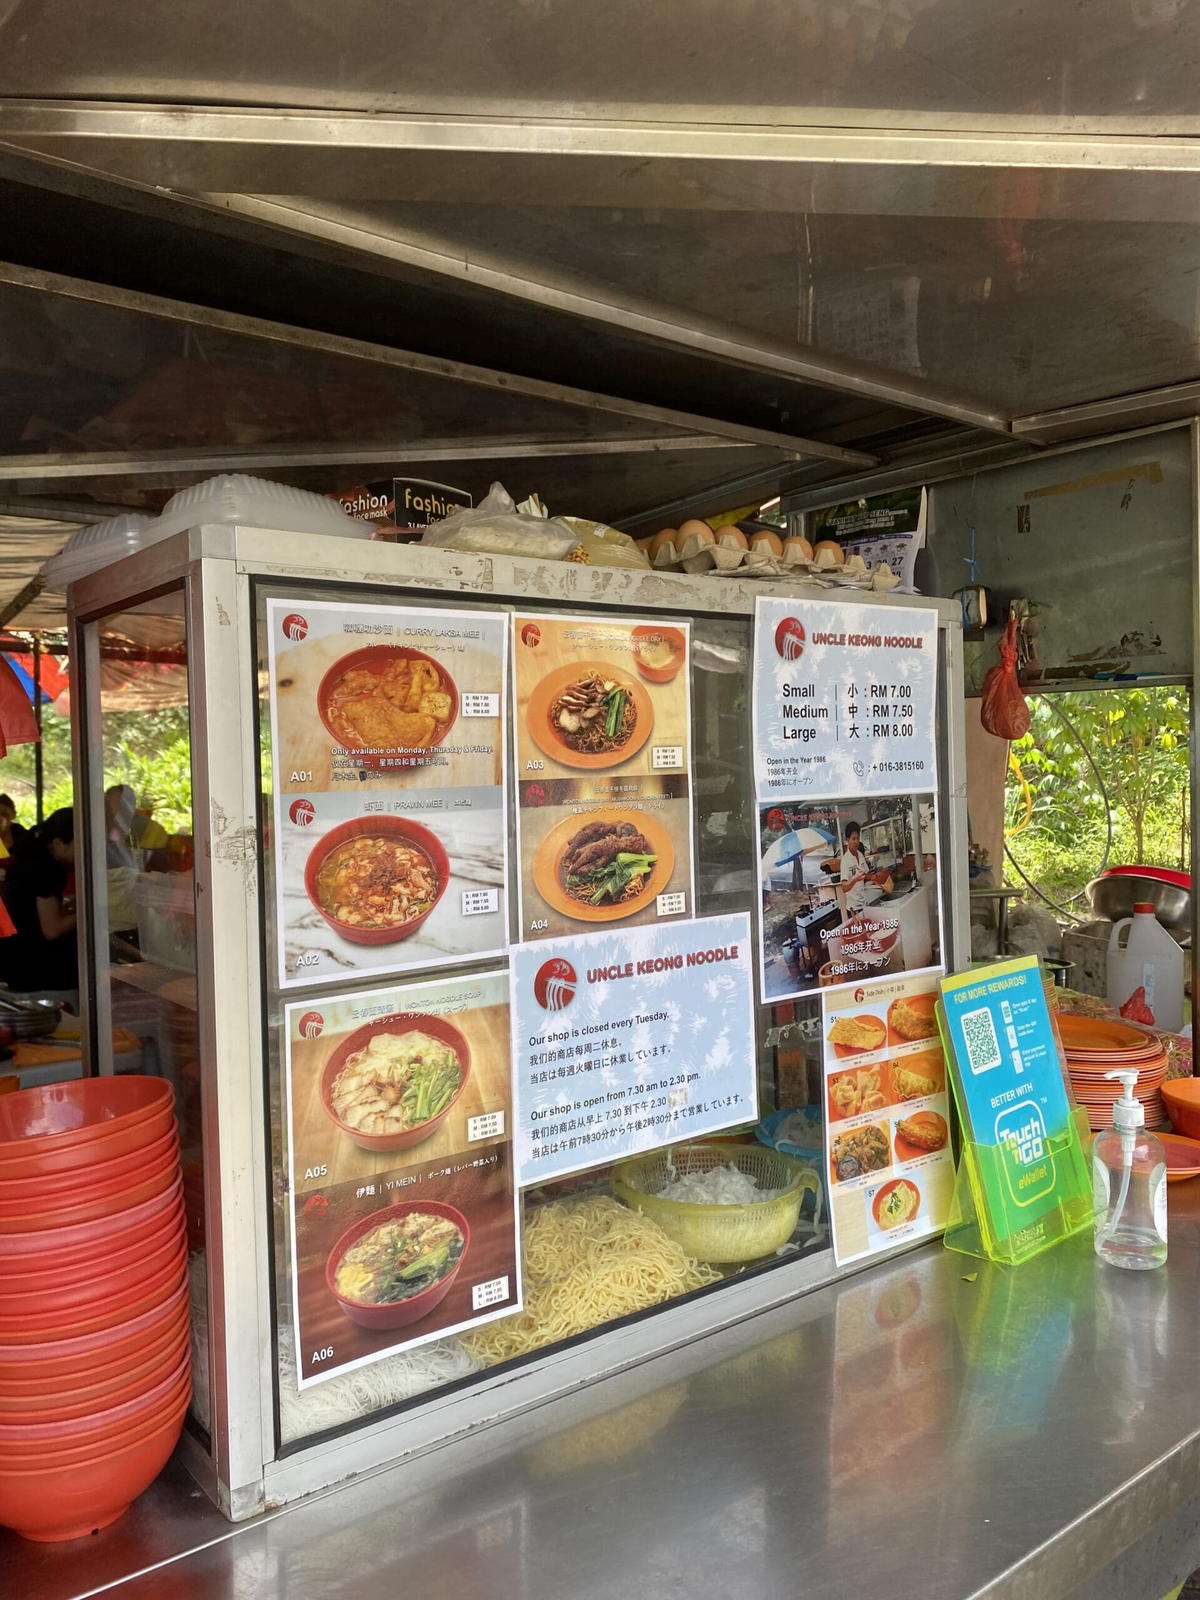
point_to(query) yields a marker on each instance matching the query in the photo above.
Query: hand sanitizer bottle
(1129, 1173)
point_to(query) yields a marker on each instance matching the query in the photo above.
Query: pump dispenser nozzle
(1128, 1112)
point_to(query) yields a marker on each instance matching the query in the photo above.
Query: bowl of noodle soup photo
(376, 879)
(390, 1084)
(395, 1266)
(387, 699)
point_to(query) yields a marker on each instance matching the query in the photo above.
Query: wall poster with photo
(849, 890)
(603, 736)
(404, 1206)
(389, 775)
(887, 1114)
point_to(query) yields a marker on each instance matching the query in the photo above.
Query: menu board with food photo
(887, 1128)
(389, 777)
(848, 891)
(604, 763)
(404, 1207)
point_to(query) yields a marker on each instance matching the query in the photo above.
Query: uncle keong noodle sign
(627, 1040)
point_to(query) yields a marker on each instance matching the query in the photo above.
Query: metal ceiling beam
(1173, 403)
(152, 463)
(430, 366)
(25, 121)
(595, 301)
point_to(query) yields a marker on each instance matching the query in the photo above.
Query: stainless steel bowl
(1115, 897)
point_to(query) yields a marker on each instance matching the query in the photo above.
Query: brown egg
(695, 529)
(731, 536)
(798, 548)
(835, 550)
(766, 542)
(666, 536)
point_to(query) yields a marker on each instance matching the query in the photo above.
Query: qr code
(979, 1035)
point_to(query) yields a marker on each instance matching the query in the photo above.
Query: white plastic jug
(1149, 960)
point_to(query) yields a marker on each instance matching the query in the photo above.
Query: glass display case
(320, 945)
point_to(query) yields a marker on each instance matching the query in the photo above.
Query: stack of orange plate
(1094, 1048)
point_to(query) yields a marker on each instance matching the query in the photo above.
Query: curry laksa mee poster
(388, 739)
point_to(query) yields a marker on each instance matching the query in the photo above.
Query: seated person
(42, 956)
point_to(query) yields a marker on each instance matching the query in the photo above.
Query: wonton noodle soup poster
(405, 1223)
(388, 740)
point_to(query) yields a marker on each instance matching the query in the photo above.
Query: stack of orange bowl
(95, 1366)
(1094, 1047)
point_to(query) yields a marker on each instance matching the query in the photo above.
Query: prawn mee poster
(388, 742)
(887, 1127)
(603, 737)
(405, 1224)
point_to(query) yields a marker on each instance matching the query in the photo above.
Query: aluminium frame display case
(213, 579)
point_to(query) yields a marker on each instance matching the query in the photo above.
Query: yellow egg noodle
(587, 1262)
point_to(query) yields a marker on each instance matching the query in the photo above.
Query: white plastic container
(89, 549)
(166, 918)
(235, 499)
(1150, 960)
(1129, 1177)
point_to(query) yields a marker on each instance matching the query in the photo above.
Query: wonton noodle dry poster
(602, 724)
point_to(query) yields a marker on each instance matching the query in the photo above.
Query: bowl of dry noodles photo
(376, 879)
(395, 1266)
(385, 704)
(391, 1083)
(590, 715)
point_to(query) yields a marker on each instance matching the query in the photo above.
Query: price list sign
(844, 699)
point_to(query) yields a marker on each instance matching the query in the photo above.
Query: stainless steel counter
(921, 1430)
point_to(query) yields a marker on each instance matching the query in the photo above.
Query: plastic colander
(719, 1233)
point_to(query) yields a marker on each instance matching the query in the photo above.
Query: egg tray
(696, 556)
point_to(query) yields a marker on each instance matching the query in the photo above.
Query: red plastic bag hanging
(1004, 711)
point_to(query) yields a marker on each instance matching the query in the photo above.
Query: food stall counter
(915, 1429)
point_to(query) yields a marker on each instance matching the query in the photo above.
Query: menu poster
(604, 763)
(630, 1040)
(404, 1213)
(887, 1131)
(845, 696)
(848, 890)
(388, 744)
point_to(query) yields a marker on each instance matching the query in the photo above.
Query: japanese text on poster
(602, 717)
(629, 1040)
(887, 1132)
(844, 698)
(388, 761)
(404, 1209)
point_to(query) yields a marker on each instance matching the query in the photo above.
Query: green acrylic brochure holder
(981, 1221)
(1031, 1187)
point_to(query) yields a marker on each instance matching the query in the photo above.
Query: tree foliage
(148, 750)
(1091, 758)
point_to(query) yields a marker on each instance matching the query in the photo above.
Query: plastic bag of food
(598, 545)
(1003, 710)
(496, 527)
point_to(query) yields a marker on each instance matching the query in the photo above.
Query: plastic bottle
(1150, 961)
(1129, 1179)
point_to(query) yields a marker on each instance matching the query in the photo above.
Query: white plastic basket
(234, 499)
(89, 549)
